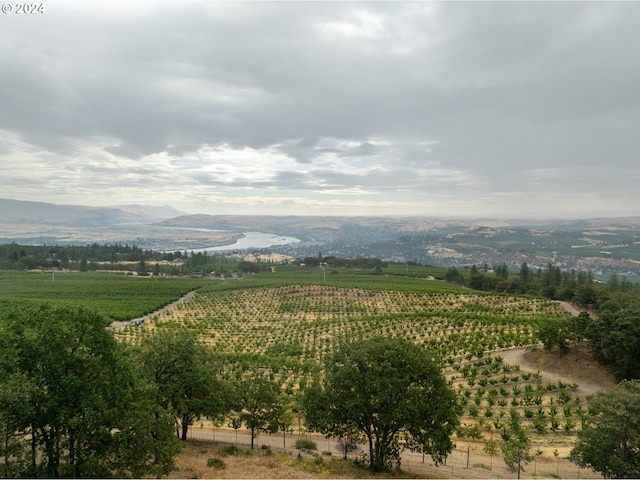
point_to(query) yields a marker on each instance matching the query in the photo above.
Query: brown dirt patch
(576, 366)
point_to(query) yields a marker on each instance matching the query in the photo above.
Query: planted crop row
(307, 322)
(288, 330)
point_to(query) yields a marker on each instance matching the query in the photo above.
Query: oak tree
(186, 374)
(391, 394)
(259, 404)
(72, 403)
(609, 441)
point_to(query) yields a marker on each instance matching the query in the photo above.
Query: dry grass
(271, 463)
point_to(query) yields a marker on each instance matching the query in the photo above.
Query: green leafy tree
(490, 447)
(556, 332)
(476, 278)
(614, 337)
(502, 271)
(525, 273)
(259, 404)
(142, 267)
(452, 275)
(71, 401)
(186, 375)
(516, 444)
(609, 441)
(388, 392)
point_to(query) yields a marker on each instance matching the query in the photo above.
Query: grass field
(116, 296)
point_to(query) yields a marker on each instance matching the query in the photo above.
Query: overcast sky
(479, 109)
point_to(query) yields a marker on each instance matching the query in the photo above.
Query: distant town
(604, 246)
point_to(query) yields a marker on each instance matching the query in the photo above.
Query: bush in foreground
(306, 444)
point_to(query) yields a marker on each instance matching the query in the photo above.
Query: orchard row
(290, 329)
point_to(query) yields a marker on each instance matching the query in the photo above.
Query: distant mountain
(399, 223)
(19, 212)
(578, 224)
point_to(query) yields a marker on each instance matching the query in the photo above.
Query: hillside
(289, 329)
(276, 224)
(288, 321)
(18, 212)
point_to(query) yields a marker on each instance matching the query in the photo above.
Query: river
(251, 240)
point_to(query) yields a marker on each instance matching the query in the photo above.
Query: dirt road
(145, 323)
(577, 366)
(574, 367)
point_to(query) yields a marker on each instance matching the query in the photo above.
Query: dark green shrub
(306, 443)
(234, 451)
(217, 463)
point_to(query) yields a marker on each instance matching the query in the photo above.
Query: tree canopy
(609, 442)
(516, 444)
(259, 404)
(186, 374)
(614, 337)
(71, 401)
(390, 393)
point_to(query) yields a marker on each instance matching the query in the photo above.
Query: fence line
(466, 462)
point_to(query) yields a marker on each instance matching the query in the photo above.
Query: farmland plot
(116, 296)
(316, 318)
(288, 330)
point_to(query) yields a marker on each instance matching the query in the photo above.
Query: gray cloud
(460, 101)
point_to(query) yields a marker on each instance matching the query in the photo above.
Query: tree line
(118, 257)
(14, 256)
(576, 286)
(612, 335)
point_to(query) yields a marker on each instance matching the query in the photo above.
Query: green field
(619, 243)
(116, 296)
